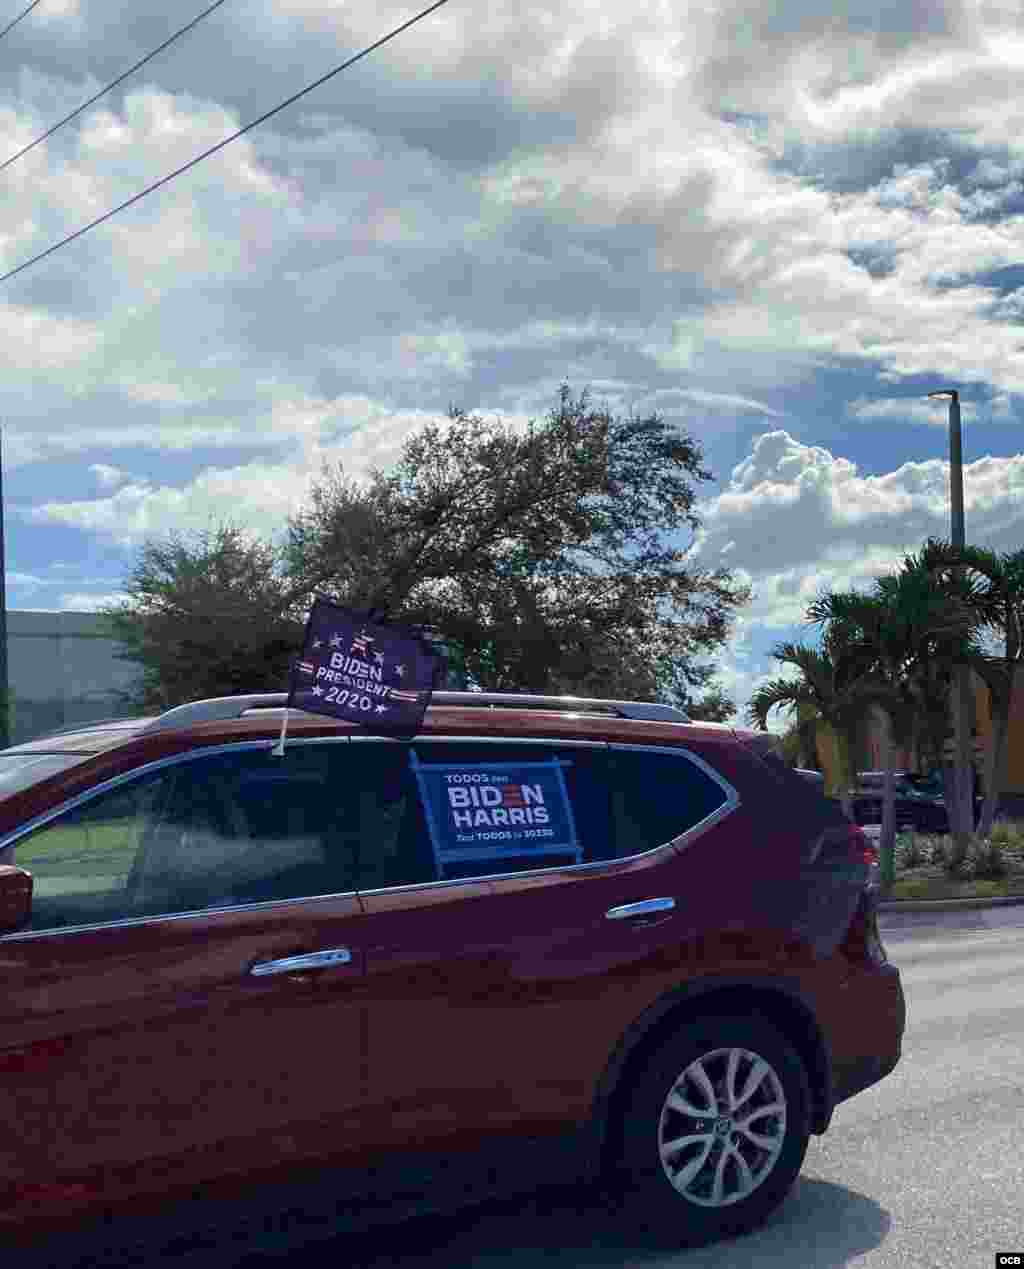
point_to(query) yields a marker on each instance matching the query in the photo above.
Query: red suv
(547, 939)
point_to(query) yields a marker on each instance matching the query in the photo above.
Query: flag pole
(278, 749)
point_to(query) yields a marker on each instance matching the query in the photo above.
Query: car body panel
(150, 1044)
(492, 1014)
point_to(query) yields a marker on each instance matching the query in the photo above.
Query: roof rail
(215, 710)
(223, 708)
(650, 711)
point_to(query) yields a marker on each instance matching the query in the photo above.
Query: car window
(656, 796)
(249, 827)
(81, 862)
(217, 830)
(392, 845)
(428, 817)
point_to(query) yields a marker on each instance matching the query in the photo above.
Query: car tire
(753, 1176)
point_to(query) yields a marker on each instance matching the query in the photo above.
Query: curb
(947, 905)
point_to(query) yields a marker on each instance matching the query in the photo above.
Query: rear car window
(657, 795)
(494, 808)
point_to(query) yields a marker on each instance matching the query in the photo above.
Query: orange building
(871, 746)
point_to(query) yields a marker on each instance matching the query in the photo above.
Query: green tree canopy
(550, 559)
(210, 616)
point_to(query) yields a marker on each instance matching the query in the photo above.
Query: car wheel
(714, 1132)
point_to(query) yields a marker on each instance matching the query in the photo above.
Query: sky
(777, 224)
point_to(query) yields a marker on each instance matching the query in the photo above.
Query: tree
(210, 616)
(796, 746)
(713, 707)
(1003, 604)
(912, 630)
(968, 599)
(882, 626)
(835, 685)
(546, 558)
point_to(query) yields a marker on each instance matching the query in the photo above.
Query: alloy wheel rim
(722, 1127)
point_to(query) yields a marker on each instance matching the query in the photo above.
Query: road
(925, 1169)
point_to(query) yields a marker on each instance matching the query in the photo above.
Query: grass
(994, 868)
(80, 856)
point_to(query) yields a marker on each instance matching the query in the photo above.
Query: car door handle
(312, 960)
(646, 907)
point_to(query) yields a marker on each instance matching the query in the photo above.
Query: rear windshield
(19, 770)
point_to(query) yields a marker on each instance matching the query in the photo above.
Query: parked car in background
(817, 780)
(919, 801)
(544, 939)
(812, 777)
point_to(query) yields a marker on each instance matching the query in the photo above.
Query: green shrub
(988, 861)
(911, 851)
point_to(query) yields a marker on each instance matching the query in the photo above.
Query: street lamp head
(951, 393)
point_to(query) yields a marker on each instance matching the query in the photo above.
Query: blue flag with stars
(363, 671)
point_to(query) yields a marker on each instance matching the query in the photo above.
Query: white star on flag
(381, 709)
(379, 657)
(400, 671)
(318, 643)
(318, 691)
(335, 641)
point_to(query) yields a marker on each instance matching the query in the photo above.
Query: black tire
(661, 1213)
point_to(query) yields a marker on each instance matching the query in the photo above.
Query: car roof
(103, 751)
(84, 738)
(259, 714)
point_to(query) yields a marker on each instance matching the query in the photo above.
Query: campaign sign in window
(496, 810)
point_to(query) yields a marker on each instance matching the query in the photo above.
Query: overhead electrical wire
(164, 180)
(24, 14)
(113, 84)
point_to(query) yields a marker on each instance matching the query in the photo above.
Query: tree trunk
(995, 767)
(887, 838)
(845, 748)
(958, 830)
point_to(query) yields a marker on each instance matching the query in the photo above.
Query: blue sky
(777, 224)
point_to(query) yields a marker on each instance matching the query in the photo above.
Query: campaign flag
(367, 672)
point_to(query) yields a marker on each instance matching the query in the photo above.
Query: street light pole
(963, 821)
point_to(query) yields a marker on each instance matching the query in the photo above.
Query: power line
(164, 180)
(25, 14)
(113, 84)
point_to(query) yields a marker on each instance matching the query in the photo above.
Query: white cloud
(106, 476)
(74, 601)
(795, 519)
(909, 410)
(258, 495)
(705, 209)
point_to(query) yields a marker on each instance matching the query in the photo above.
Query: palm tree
(883, 627)
(913, 629)
(970, 595)
(1003, 605)
(833, 686)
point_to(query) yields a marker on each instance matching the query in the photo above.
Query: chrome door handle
(644, 908)
(312, 960)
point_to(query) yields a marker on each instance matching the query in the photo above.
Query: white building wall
(62, 669)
